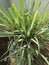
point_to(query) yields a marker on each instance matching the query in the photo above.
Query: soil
(3, 49)
(45, 50)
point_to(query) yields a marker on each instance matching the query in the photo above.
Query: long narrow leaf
(5, 15)
(21, 58)
(33, 21)
(44, 58)
(37, 43)
(29, 58)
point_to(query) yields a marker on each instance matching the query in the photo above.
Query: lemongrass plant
(29, 31)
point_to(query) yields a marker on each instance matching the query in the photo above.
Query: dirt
(45, 50)
(3, 49)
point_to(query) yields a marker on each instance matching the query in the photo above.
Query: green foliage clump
(29, 31)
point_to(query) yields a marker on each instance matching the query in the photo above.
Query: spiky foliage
(29, 31)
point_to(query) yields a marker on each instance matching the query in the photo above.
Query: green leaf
(21, 3)
(21, 57)
(23, 25)
(42, 18)
(38, 4)
(16, 9)
(6, 34)
(6, 24)
(44, 58)
(32, 5)
(2, 25)
(29, 58)
(37, 43)
(33, 21)
(42, 31)
(6, 16)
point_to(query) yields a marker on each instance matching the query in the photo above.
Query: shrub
(29, 31)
